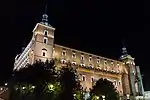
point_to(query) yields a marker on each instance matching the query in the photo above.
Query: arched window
(98, 60)
(83, 78)
(45, 32)
(45, 40)
(44, 52)
(82, 57)
(92, 78)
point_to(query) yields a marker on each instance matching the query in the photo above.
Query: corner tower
(43, 35)
(130, 73)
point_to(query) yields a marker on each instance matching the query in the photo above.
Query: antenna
(123, 43)
(46, 8)
(124, 50)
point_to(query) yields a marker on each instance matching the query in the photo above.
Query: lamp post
(103, 97)
(128, 97)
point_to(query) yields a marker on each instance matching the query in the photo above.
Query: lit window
(91, 65)
(64, 53)
(74, 63)
(45, 32)
(90, 58)
(45, 40)
(92, 79)
(98, 60)
(105, 62)
(73, 55)
(63, 61)
(44, 52)
(82, 57)
(115, 83)
(82, 64)
(112, 64)
(119, 83)
(83, 78)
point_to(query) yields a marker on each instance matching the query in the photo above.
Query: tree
(103, 87)
(70, 83)
(35, 80)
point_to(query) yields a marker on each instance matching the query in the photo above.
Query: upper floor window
(64, 53)
(112, 64)
(119, 83)
(74, 63)
(105, 62)
(45, 32)
(82, 57)
(63, 61)
(83, 78)
(82, 64)
(44, 52)
(45, 40)
(92, 79)
(115, 83)
(73, 54)
(90, 58)
(98, 60)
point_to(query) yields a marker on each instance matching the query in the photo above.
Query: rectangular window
(74, 63)
(45, 32)
(90, 58)
(83, 78)
(45, 40)
(43, 53)
(63, 61)
(105, 62)
(83, 64)
(92, 79)
(98, 60)
(73, 55)
(82, 57)
(64, 53)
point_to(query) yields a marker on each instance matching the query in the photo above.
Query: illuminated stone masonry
(123, 73)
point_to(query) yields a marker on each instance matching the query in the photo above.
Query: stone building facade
(122, 72)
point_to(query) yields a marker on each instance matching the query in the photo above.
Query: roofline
(89, 53)
(42, 25)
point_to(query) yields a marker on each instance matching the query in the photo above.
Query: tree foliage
(45, 81)
(70, 82)
(34, 79)
(106, 88)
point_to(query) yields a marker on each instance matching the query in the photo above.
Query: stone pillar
(125, 84)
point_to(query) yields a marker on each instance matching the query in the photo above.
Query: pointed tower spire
(124, 50)
(45, 17)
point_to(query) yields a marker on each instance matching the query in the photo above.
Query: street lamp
(51, 87)
(97, 97)
(33, 87)
(128, 97)
(1, 89)
(6, 84)
(103, 97)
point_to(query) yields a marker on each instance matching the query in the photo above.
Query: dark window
(90, 58)
(73, 55)
(63, 53)
(45, 40)
(119, 83)
(63, 62)
(43, 53)
(45, 33)
(83, 78)
(82, 58)
(92, 79)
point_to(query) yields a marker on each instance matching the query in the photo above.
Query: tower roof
(45, 18)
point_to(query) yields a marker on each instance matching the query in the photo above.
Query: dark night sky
(96, 26)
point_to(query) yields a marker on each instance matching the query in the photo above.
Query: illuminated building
(124, 74)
